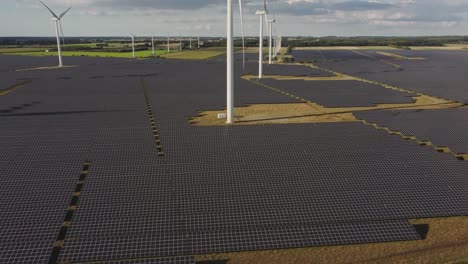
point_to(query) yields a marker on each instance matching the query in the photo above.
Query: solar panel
(442, 127)
(341, 93)
(217, 189)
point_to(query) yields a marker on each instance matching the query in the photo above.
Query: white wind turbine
(58, 25)
(133, 45)
(263, 14)
(230, 60)
(270, 29)
(168, 44)
(152, 43)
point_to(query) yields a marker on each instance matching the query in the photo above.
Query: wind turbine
(133, 44)
(190, 43)
(168, 44)
(270, 24)
(198, 41)
(58, 24)
(152, 43)
(230, 60)
(263, 17)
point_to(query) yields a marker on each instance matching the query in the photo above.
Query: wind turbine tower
(133, 45)
(152, 44)
(168, 44)
(230, 60)
(58, 24)
(270, 54)
(261, 14)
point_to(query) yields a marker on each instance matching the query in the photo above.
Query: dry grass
(274, 114)
(13, 88)
(447, 241)
(348, 48)
(47, 68)
(308, 112)
(194, 54)
(461, 156)
(303, 78)
(7, 50)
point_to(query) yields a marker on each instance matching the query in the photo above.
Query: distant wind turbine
(263, 19)
(58, 25)
(270, 29)
(133, 44)
(168, 44)
(230, 60)
(152, 43)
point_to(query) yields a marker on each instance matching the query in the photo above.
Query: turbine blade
(242, 30)
(63, 14)
(61, 32)
(50, 10)
(265, 5)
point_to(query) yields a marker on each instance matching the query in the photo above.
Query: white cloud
(301, 16)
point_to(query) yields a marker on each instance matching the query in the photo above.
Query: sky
(208, 17)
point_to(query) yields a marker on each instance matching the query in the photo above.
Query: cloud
(131, 4)
(391, 13)
(155, 4)
(360, 5)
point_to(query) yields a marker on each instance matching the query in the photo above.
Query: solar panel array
(341, 93)
(286, 70)
(327, 56)
(442, 127)
(441, 73)
(49, 129)
(216, 189)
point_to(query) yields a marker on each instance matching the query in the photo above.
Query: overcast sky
(207, 17)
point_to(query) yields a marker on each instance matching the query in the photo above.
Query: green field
(201, 54)
(138, 54)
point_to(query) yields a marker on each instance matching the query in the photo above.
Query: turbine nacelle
(55, 17)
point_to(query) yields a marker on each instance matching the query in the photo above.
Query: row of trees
(253, 42)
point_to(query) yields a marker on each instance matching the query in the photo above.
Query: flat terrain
(337, 159)
(174, 53)
(138, 54)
